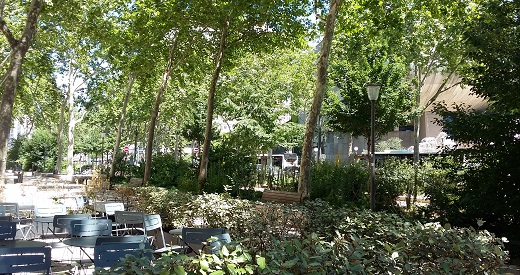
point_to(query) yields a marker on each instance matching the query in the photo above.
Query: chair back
(153, 222)
(220, 240)
(108, 208)
(6, 218)
(90, 227)
(7, 230)
(109, 253)
(49, 210)
(63, 221)
(9, 209)
(81, 202)
(129, 221)
(111, 208)
(25, 259)
(199, 236)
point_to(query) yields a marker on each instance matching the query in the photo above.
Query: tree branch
(442, 88)
(318, 16)
(7, 33)
(5, 60)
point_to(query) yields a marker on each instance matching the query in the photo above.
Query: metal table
(82, 243)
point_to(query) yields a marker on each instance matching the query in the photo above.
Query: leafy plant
(316, 238)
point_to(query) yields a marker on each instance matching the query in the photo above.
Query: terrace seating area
(48, 236)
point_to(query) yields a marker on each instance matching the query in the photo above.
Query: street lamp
(373, 94)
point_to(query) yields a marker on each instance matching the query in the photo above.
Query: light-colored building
(339, 145)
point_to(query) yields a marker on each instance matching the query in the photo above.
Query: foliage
(15, 152)
(39, 152)
(442, 186)
(261, 93)
(317, 238)
(230, 169)
(349, 108)
(392, 177)
(339, 184)
(168, 171)
(124, 169)
(393, 143)
(489, 189)
(494, 66)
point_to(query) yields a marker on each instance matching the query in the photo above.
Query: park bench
(281, 196)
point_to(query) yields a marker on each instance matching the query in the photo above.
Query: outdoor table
(82, 243)
(20, 244)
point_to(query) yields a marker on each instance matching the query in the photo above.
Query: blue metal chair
(91, 227)
(62, 222)
(25, 259)
(199, 237)
(153, 222)
(11, 210)
(109, 250)
(7, 230)
(129, 222)
(217, 241)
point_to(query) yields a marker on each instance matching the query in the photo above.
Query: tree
(262, 94)
(239, 26)
(349, 112)
(19, 48)
(491, 188)
(321, 82)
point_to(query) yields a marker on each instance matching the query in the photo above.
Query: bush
(392, 177)
(317, 238)
(231, 170)
(343, 184)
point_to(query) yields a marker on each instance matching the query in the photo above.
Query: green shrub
(393, 143)
(230, 170)
(339, 184)
(392, 177)
(316, 238)
(168, 171)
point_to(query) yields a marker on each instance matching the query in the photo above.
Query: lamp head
(373, 90)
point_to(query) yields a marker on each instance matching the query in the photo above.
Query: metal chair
(199, 236)
(10, 211)
(217, 241)
(62, 222)
(108, 208)
(7, 230)
(129, 222)
(110, 251)
(121, 239)
(90, 227)
(25, 259)
(44, 214)
(153, 222)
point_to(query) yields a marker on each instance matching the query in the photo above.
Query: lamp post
(373, 94)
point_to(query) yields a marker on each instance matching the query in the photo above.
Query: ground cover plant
(313, 238)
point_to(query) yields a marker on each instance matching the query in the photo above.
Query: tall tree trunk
(19, 48)
(70, 134)
(131, 78)
(203, 173)
(153, 121)
(59, 142)
(303, 181)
